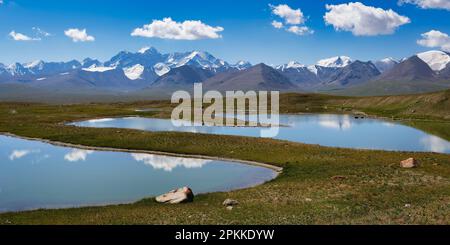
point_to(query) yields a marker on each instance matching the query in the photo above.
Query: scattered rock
(407, 205)
(409, 163)
(181, 195)
(338, 177)
(229, 208)
(230, 202)
(13, 112)
(308, 199)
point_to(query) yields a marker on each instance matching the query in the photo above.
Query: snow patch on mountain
(34, 64)
(95, 68)
(241, 65)
(437, 60)
(161, 69)
(385, 64)
(338, 61)
(134, 72)
(143, 50)
(290, 65)
(313, 69)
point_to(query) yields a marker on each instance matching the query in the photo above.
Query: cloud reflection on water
(435, 144)
(17, 154)
(168, 163)
(340, 123)
(77, 155)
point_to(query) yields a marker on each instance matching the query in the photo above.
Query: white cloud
(300, 30)
(290, 16)
(429, 4)
(78, 35)
(293, 18)
(435, 39)
(22, 37)
(363, 20)
(77, 155)
(186, 30)
(277, 24)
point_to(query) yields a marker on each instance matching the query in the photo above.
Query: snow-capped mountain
(88, 62)
(241, 65)
(437, 60)
(146, 60)
(147, 67)
(290, 65)
(337, 61)
(385, 64)
(336, 72)
(134, 72)
(17, 69)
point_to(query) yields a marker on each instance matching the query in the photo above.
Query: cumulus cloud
(300, 30)
(16, 36)
(429, 4)
(38, 35)
(78, 35)
(435, 39)
(293, 19)
(289, 15)
(277, 24)
(170, 29)
(363, 20)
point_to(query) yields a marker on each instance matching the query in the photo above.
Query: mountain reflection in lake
(328, 130)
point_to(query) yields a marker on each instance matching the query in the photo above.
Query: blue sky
(247, 31)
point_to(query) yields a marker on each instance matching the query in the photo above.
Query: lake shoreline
(278, 170)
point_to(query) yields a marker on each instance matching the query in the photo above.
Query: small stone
(407, 205)
(308, 199)
(409, 163)
(229, 208)
(230, 202)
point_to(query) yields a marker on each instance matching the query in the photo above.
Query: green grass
(374, 191)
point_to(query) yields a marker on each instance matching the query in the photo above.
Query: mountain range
(148, 71)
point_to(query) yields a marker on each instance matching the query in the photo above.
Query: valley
(371, 187)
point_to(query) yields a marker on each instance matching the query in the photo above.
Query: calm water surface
(327, 130)
(39, 175)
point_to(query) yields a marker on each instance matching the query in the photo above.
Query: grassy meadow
(318, 185)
